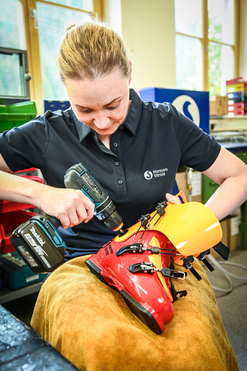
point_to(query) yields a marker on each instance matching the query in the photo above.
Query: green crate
(16, 114)
(208, 188)
(242, 156)
(15, 273)
(243, 224)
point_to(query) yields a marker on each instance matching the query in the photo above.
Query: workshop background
(196, 58)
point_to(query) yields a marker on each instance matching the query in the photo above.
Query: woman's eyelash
(90, 110)
(111, 108)
(87, 111)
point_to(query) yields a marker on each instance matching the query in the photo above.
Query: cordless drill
(38, 241)
(78, 177)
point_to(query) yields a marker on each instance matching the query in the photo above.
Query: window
(12, 30)
(45, 22)
(14, 76)
(205, 44)
(220, 44)
(51, 23)
(79, 4)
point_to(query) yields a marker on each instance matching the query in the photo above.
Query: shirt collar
(82, 129)
(131, 121)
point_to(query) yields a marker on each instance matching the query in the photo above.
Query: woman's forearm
(70, 206)
(19, 189)
(231, 174)
(231, 194)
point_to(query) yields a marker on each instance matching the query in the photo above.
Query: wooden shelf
(221, 123)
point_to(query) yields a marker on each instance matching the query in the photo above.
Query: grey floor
(232, 305)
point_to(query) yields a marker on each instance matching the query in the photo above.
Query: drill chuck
(108, 214)
(78, 177)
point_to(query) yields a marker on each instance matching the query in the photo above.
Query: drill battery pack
(39, 244)
(15, 273)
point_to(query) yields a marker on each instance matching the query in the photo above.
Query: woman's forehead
(103, 90)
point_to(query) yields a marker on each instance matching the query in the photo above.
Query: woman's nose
(101, 121)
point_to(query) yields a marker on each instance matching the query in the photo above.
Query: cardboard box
(233, 232)
(218, 105)
(193, 185)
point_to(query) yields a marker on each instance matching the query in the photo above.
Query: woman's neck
(105, 139)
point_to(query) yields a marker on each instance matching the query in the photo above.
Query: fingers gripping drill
(78, 177)
(38, 241)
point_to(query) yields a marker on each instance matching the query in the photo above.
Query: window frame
(205, 41)
(23, 63)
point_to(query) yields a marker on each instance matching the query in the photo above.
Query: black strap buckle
(167, 272)
(148, 267)
(134, 248)
(144, 219)
(187, 264)
(144, 267)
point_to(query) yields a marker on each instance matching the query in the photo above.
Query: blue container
(193, 104)
(54, 105)
(15, 273)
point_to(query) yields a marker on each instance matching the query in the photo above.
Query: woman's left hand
(173, 199)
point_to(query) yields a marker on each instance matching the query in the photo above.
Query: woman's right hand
(70, 206)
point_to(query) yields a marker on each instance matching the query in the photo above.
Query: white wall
(113, 14)
(148, 27)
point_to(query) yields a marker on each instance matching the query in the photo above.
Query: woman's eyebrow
(79, 106)
(113, 101)
(107, 104)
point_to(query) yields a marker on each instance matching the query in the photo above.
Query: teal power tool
(78, 177)
(38, 241)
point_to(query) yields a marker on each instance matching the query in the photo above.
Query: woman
(124, 142)
(116, 136)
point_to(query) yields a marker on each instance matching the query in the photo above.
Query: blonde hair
(91, 50)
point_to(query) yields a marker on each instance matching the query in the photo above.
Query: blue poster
(193, 104)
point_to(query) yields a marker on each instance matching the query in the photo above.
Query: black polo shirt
(140, 168)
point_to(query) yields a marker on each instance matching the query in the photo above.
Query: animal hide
(90, 324)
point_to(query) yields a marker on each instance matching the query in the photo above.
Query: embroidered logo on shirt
(148, 175)
(155, 173)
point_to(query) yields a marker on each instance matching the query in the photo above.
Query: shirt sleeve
(25, 146)
(199, 150)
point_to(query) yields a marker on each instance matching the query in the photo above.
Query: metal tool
(78, 177)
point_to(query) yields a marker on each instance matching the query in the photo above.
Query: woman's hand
(173, 199)
(70, 206)
(231, 174)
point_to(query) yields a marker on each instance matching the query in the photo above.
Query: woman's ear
(130, 78)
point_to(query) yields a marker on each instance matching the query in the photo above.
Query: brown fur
(89, 323)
